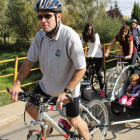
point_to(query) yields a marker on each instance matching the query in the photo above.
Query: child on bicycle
(132, 91)
(92, 40)
(126, 41)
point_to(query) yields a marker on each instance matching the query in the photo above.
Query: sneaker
(102, 93)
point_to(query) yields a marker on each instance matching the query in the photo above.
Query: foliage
(136, 12)
(107, 28)
(4, 27)
(115, 13)
(23, 18)
(78, 13)
(128, 21)
(83, 11)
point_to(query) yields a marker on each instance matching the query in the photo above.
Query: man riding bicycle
(62, 62)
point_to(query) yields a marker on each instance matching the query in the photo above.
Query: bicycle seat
(85, 83)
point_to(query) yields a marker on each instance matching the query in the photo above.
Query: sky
(125, 6)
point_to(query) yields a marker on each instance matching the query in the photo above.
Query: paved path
(12, 125)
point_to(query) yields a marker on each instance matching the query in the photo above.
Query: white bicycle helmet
(49, 5)
(134, 20)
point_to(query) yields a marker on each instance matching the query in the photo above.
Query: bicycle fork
(44, 116)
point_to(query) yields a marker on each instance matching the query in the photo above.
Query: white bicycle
(95, 115)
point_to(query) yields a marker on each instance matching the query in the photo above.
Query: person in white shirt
(92, 40)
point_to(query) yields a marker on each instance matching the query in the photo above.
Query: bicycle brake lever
(71, 99)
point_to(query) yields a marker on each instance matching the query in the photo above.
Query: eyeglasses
(47, 16)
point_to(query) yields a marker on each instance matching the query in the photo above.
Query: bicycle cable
(24, 114)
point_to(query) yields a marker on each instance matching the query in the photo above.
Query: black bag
(136, 41)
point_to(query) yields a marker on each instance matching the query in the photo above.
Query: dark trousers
(98, 66)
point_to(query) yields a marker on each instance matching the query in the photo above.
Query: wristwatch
(67, 91)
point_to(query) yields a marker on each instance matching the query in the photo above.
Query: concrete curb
(11, 112)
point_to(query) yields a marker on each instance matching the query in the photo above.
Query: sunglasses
(47, 16)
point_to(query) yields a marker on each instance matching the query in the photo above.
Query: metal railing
(16, 71)
(22, 58)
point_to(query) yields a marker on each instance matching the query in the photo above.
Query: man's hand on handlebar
(62, 99)
(14, 91)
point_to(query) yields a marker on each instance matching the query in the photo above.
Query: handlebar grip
(7, 88)
(71, 99)
(20, 93)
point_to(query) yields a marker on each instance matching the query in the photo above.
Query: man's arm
(23, 72)
(77, 77)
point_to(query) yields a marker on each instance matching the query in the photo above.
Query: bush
(107, 28)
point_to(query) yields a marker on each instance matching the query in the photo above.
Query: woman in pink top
(126, 41)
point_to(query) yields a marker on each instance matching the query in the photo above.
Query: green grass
(5, 98)
(8, 68)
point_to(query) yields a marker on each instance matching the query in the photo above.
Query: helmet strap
(53, 30)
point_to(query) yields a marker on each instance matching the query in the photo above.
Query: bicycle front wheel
(99, 111)
(35, 137)
(94, 82)
(110, 82)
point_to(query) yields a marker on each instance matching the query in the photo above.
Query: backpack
(136, 41)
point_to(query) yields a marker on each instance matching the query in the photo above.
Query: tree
(23, 18)
(77, 13)
(107, 28)
(84, 11)
(4, 27)
(136, 12)
(115, 12)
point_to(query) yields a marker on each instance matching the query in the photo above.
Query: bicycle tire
(35, 137)
(94, 82)
(110, 81)
(99, 111)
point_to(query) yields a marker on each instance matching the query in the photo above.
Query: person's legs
(88, 63)
(130, 101)
(98, 65)
(123, 99)
(80, 125)
(134, 56)
(72, 113)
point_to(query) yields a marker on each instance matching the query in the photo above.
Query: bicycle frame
(47, 118)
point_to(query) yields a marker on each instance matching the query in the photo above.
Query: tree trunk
(4, 38)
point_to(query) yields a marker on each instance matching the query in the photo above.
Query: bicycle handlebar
(23, 96)
(116, 56)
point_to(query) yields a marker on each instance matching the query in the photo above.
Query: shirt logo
(58, 53)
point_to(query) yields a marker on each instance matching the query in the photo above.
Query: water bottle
(64, 124)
